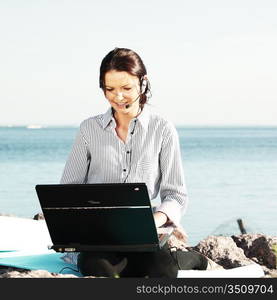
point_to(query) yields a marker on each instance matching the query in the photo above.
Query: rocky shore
(241, 250)
(224, 251)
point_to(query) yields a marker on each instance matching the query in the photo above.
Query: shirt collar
(107, 118)
(143, 117)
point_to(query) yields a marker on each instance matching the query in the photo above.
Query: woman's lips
(121, 105)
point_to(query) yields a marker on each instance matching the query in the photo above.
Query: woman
(130, 143)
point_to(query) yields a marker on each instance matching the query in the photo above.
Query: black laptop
(100, 217)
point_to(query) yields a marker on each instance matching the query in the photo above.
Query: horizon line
(40, 125)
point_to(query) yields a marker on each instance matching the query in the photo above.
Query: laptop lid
(99, 217)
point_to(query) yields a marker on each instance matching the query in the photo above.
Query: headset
(143, 85)
(143, 89)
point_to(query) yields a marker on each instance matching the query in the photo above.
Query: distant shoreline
(41, 126)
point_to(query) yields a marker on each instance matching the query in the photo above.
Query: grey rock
(35, 274)
(223, 251)
(178, 239)
(271, 273)
(13, 272)
(22, 273)
(258, 247)
(39, 216)
(7, 215)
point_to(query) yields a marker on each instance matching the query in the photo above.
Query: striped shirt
(150, 154)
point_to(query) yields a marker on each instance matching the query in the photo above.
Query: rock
(7, 215)
(13, 272)
(22, 273)
(39, 216)
(178, 239)
(223, 251)
(35, 274)
(258, 247)
(271, 273)
(5, 269)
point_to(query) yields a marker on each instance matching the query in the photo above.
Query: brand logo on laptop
(94, 202)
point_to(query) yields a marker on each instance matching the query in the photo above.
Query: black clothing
(162, 263)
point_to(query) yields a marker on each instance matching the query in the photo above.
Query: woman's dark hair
(123, 59)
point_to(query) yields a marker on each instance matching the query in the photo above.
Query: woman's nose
(119, 96)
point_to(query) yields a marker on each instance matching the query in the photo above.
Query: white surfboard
(22, 234)
(250, 271)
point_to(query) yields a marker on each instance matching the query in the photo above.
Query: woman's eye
(109, 90)
(127, 89)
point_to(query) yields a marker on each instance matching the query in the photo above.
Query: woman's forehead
(119, 78)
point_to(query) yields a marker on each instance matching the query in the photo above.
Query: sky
(208, 62)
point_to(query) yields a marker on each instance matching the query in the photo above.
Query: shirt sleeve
(77, 165)
(173, 190)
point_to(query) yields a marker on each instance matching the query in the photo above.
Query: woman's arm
(76, 167)
(160, 218)
(172, 188)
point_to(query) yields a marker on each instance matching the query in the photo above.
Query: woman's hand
(160, 218)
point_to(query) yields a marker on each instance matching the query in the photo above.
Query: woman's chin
(122, 109)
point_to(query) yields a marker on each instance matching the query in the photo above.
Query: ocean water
(231, 173)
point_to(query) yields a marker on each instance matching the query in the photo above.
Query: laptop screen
(98, 214)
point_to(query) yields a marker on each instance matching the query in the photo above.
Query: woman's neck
(123, 120)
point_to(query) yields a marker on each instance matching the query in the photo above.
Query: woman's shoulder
(157, 118)
(89, 125)
(97, 119)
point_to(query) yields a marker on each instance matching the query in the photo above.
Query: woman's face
(122, 89)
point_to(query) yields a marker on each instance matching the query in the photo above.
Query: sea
(230, 172)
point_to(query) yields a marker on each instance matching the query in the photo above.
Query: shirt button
(124, 170)
(128, 152)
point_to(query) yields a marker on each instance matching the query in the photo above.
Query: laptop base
(106, 248)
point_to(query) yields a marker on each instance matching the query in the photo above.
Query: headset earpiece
(143, 86)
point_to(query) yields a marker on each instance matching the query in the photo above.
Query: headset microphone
(130, 104)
